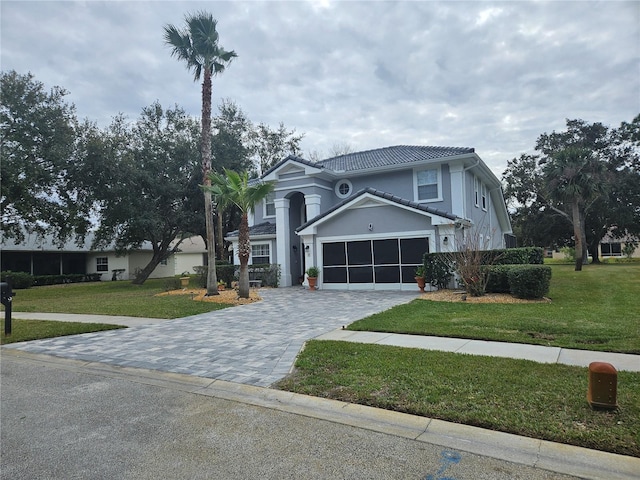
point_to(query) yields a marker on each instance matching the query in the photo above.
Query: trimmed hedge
(19, 280)
(26, 280)
(514, 256)
(499, 263)
(268, 273)
(498, 281)
(529, 281)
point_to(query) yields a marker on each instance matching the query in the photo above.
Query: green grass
(110, 298)
(544, 401)
(596, 309)
(24, 330)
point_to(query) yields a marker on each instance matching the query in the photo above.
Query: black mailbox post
(6, 297)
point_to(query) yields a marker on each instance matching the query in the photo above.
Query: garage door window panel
(359, 253)
(387, 274)
(334, 254)
(413, 250)
(334, 274)
(385, 252)
(360, 274)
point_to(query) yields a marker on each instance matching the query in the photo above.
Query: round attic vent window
(343, 188)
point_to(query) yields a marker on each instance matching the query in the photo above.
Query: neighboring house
(609, 247)
(41, 256)
(367, 218)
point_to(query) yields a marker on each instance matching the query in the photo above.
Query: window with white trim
(260, 254)
(270, 205)
(476, 191)
(343, 188)
(427, 184)
(102, 264)
(613, 249)
(484, 196)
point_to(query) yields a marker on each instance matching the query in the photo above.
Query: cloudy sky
(489, 75)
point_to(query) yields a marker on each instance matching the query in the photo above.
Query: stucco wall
(383, 219)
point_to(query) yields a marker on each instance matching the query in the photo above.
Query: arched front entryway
(297, 217)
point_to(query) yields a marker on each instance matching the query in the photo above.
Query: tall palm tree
(197, 44)
(575, 177)
(234, 188)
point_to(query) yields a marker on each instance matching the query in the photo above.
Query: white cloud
(491, 75)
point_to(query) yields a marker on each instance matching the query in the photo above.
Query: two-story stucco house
(366, 219)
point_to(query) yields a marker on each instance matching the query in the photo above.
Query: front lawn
(24, 330)
(545, 401)
(111, 298)
(596, 309)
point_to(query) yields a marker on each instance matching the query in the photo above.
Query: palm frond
(198, 45)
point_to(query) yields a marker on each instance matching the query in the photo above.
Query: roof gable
(292, 164)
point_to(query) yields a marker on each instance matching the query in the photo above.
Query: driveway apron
(254, 344)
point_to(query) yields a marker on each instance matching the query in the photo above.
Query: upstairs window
(476, 191)
(428, 185)
(484, 196)
(343, 188)
(269, 205)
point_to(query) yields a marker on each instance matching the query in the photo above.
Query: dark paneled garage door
(384, 261)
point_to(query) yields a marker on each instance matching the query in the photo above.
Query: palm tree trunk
(205, 147)
(219, 234)
(244, 250)
(585, 245)
(577, 233)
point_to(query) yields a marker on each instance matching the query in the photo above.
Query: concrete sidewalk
(85, 318)
(536, 353)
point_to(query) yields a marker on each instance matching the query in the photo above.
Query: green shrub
(438, 269)
(40, 280)
(18, 280)
(517, 256)
(172, 284)
(268, 273)
(498, 281)
(529, 281)
(224, 272)
(569, 253)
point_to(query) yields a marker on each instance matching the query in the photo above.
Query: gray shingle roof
(380, 157)
(387, 156)
(385, 195)
(264, 228)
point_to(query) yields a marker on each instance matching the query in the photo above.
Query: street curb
(555, 457)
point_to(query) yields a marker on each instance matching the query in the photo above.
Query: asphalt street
(61, 420)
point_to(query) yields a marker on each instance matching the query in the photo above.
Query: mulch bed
(462, 296)
(226, 296)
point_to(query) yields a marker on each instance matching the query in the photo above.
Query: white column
(310, 259)
(456, 172)
(312, 203)
(448, 233)
(283, 240)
